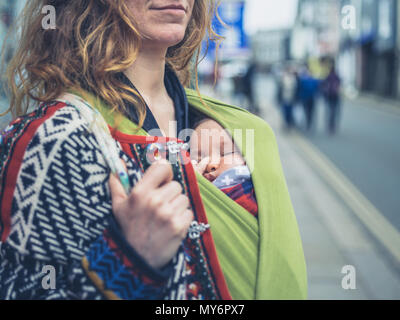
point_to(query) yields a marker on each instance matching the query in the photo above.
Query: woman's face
(162, 23)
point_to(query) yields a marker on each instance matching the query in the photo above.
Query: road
(367, 151)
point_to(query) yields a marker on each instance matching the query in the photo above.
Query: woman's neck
(147, 74)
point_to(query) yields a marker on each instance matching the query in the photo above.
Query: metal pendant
(196, 229)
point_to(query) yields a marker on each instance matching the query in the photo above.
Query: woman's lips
(176, 13)
(172, 8)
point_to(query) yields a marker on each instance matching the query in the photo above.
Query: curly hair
(93, 42)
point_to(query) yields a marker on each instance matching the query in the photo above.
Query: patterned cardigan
(55, 206)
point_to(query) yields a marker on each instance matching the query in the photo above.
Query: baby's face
(209, 139)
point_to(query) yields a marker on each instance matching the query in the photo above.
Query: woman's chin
(172, 40)
(166, 39)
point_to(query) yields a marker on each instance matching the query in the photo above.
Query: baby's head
(211, 140)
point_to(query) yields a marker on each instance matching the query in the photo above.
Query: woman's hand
(155, 216)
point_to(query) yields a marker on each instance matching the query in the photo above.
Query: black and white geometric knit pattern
(35, 213)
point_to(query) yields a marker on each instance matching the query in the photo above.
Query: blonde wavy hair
(94, 41)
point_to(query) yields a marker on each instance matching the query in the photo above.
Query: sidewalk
(378, 102)
(332, 235)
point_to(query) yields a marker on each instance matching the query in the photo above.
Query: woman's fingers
(179, 204)
(157, 174)
(169, 191)
(187, 218)
(182, 213)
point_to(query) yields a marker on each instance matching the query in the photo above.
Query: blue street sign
(232, 14)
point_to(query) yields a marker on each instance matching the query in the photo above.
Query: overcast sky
(269, 14)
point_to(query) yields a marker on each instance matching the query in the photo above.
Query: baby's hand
(201, 166)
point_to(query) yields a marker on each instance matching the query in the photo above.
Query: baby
(217, 158)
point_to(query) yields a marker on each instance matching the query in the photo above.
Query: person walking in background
(238, 89)
(287, 95)
(308, 91)
(331, 93)
(248, 87)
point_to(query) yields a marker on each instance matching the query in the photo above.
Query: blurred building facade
(367, 49)
(376, 45)
(6, 18)
(9, 10)
(270, 46)
(316, 31)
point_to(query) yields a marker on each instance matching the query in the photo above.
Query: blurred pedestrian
(248, 81)
(287, 94)
(238, 89)
(331, 93)
(308, 91)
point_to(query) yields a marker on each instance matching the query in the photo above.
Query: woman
(173, 235)
(331, 92)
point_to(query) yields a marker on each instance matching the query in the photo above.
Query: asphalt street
(367, 150)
